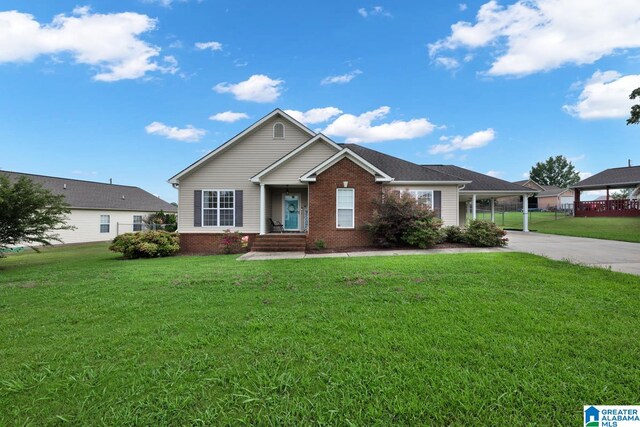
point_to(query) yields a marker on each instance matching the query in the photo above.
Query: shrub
(234, 242)
(485, 234)
(161, 221)
(398, 219)
(146, 244)
(424, 233)
(453, 234)
(320, 244)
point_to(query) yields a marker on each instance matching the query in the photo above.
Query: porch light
(287, 190)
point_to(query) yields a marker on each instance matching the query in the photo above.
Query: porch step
(279, 243)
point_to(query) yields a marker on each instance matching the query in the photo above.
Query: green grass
(468, 339)
(623, 229)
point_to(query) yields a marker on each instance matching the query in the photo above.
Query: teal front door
(291, 212)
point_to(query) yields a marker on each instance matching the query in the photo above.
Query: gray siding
(232, 169)
(291, 171)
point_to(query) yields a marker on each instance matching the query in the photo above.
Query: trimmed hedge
(485, 234)
(146, 244)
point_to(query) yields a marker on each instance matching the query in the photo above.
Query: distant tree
(556, 171)
(161, 221)
(634, 116)
(623, 194)
(30, 213)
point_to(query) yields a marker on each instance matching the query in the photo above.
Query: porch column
(473, 206)
(263, 209)
(493, 210)
(576, 201)
(525, 213)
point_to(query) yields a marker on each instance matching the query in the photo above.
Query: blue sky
(133, 90)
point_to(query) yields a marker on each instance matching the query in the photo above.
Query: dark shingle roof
(400, 170)
(479, 181)
(629, 175)
(97, 195)
(521, 182)
(551, 190)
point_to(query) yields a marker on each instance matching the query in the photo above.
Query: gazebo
(610, 179)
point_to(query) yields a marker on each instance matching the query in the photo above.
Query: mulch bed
(375, 248)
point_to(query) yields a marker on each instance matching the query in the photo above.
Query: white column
(525, 213)
(473, 206)
(493, 210)
(263, 209)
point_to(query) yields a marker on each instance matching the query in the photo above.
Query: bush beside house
(146, 244)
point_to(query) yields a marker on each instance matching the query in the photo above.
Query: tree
(161, 221)
(556, 171)
(623, 194)
(30, 213)
(634, 116)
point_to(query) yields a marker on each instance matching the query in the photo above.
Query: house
(515, 203)
(554, 198)
(609, 179)
(278, 171)
(99, 211)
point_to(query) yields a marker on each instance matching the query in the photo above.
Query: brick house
(286, 187)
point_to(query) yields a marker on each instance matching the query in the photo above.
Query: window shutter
(437, 203)
(239, 206)
(197, 208)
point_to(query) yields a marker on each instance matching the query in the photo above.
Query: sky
(137, 90)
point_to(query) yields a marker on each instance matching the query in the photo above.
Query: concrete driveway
(620, 256)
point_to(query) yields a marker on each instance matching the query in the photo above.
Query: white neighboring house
(99, 211)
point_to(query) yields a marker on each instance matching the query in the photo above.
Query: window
(345, 200)
(424, 197)
(137, 223)
(105, 223)
(278, 131)
(218, 208)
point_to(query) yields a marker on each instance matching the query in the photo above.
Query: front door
(291, 212)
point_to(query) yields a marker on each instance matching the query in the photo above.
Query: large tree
(29, 213)
(634, 116)
(556, 171)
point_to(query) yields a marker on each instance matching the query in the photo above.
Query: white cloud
(374, 11)
(605, 96)
(165, 3)
(315, 115)
(525, 175)
(577, 158)
(343, 78)
(228, 117)
(538, 35)
(209, 45)
(188, 134)
(462, 7)
(258, 88)
(109, 42)
(495, 174)
(475, 140)
(447, 62)
(357, 129)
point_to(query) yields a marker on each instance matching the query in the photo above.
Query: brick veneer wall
(322, 205)
(205, 243)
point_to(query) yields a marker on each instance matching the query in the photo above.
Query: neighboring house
(553, 197)
(610, 179)
(99, 211)
(517, 201)
(279, 171)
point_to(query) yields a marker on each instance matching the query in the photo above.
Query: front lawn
(623, 229)
(468, 339)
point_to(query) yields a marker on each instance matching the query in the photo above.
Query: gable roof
(402, 170)
(524, 183)
(614, 178)
(299, 149)
(345, 152)
(480, 182)
(551, 190)
(97, 195)
(277, 112)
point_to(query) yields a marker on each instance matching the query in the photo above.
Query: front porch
(284, 209)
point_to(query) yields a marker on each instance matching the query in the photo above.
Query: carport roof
(479, 181)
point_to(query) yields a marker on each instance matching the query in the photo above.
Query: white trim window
(218, 208)
(424, 197)
(278, 131)
(137, 223)
(105, 223)
(345, 207)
